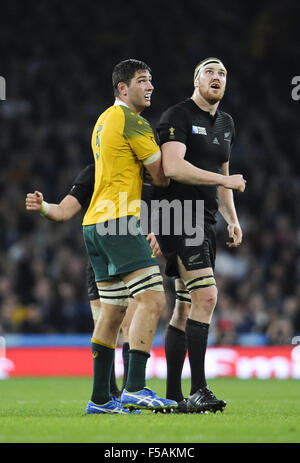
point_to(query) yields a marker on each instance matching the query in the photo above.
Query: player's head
(210, 79)
(131, 80)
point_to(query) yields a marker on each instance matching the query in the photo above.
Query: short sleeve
(83, 185)
(173, 126)
(139, 134)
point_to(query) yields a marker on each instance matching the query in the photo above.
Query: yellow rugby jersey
(121, 141)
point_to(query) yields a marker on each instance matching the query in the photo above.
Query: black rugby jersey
(208, 141)
(83, 185)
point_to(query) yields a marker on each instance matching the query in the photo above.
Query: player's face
(140, 91)
(212, 82)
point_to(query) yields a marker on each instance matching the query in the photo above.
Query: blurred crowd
(57, 60)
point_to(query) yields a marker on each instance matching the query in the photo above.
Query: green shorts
(117, 247)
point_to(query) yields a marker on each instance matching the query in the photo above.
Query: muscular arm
(62, 212)
(228, 211)
(177, 168)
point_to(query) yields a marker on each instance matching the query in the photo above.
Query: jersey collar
(119, 102)
(206, 113)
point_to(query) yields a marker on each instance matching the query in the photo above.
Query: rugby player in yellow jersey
(123, 145)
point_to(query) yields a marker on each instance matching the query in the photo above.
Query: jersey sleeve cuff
(152, 158)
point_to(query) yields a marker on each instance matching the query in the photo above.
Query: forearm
(63, 211)
(226, 206)
(184, 172)
(54, 212)
(155, 170)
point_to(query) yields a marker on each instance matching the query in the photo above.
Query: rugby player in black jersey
(196, 140)
(78, 197)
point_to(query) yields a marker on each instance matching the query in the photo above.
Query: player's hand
(151, 238)
(236, 235)
(147, 176)
(235, 182)
(34, 201)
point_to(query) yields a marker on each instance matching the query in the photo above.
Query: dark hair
(125, 70)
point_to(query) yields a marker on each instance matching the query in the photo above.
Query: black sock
(114, 389)
(125, 354)
(103, 360)
(196, 338)
(136, 379)
(175, 349)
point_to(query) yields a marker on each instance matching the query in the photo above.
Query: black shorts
(91, 284)
(193, 257)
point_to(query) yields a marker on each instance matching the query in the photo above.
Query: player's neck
(204, 104)
(124, 102)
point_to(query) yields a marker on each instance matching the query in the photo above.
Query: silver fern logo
(296, 88)
(2, 88)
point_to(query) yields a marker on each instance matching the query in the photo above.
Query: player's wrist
(44, 208)
(222, 179)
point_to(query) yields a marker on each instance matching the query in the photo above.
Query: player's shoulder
(113, 112)
(134, 123)
(226, 117)
(178, 110)
(181, 106)
(86, 175)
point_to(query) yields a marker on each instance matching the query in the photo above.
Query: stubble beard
(211, 99)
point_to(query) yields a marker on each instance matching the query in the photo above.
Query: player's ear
(122, 88)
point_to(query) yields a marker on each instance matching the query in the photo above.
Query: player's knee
(153, 302)
(113, 315)
(206, 298)
(181, 312)
(156, 302)
(147, 289)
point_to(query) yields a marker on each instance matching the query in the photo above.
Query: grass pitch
(52, 410)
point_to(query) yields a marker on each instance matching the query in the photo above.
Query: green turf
(52, 410)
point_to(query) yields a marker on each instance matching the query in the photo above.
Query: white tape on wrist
(44, 208)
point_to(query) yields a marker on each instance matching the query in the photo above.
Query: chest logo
(172, 133)
(216, 141)
(198, 130)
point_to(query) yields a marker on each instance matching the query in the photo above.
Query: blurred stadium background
(57, 58)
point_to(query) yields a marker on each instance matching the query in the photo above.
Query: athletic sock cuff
(175, 329)
(196, 323)
(99, 345)
(139, 352)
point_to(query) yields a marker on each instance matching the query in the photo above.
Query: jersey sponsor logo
(199, 130)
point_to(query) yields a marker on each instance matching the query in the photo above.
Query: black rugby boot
(205, 401)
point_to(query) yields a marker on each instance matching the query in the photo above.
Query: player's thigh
(146, 286)
(200, 283)
(97, 257)
(129, 251)
(182, 305)
(128, 317)
(114, 295)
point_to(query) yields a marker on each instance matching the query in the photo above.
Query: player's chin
(215, 95)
